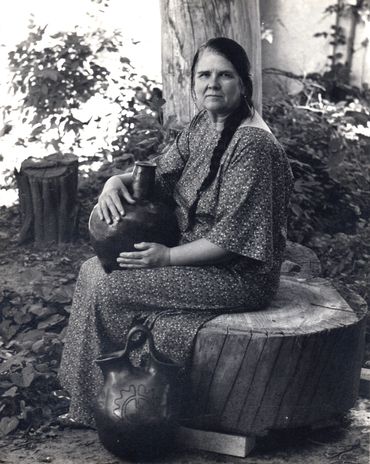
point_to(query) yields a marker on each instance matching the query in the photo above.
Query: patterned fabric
(244, 210)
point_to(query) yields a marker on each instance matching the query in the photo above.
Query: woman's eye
(227, 74)
(203, 74)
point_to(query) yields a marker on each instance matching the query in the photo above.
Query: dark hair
(237, 56)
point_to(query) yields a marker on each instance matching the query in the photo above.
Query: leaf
(62, 295)
(7, 425)
(38, 346)
(22, 318)
(50, 74)
(335, 158)
(125, 60)
(11, 392)
(297, 210)
(42, 367)
(359, 117)
(38, 130)
(31, 335)
(51, 321)
(24, 378)
(8, 330)
(41, 311)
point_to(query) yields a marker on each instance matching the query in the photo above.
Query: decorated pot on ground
(136, 410)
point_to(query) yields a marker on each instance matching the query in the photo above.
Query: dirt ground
(344, 443)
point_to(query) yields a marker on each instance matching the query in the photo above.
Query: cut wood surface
(48, 198)
(365, 383)
(295, 363)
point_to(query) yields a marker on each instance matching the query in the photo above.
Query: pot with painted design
(137, 409)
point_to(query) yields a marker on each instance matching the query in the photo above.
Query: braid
(232, 122)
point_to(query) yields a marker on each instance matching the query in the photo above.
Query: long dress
(244, 210)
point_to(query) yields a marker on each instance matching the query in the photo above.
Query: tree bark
(186, 24)
(48, 199)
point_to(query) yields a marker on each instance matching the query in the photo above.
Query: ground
(346, 443)
(38, 284)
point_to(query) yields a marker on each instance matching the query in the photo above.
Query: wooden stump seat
(296, 363)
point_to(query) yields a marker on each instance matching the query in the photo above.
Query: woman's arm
(197, 253)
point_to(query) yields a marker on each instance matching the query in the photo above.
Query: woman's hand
(151, 255)
(110, 203)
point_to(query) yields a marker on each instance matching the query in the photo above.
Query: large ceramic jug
(147, 220)
(136, 410)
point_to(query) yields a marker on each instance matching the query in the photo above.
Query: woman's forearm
(199, 252)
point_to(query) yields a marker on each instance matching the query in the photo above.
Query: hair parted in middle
(237, 56)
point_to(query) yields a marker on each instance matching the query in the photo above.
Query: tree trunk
(296, 363)
(186, 24)
(48, 199)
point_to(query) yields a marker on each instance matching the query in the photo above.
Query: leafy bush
(328, 146)
(346, 257)
(73, 91)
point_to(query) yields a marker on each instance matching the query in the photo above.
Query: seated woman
(230, 182)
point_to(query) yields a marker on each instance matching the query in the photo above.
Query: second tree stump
(48, 199)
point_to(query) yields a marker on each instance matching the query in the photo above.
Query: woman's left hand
(151, 255)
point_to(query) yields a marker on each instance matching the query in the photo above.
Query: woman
(230, 182)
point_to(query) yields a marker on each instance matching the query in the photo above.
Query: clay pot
(147, 220)
(136, 410)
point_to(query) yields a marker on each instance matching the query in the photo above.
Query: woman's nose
(213, 82)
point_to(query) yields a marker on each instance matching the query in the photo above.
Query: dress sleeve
(244, 212)
(171, 164)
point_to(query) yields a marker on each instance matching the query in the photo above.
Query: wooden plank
(232, 445)
(308, 388)
(240, 388)
(228, 367)
(365, 383)
(331, 396)
(307, 346)
(280, 377)
(205, 358)
(260, 382)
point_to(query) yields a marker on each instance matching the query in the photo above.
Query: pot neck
(143, 180)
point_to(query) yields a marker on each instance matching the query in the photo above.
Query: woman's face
(217, 85)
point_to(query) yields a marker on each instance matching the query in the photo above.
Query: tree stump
(48, 199)
(297, 363)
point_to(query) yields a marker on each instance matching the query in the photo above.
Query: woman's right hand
(110, 200)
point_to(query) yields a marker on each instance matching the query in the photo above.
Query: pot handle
(146, 334)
